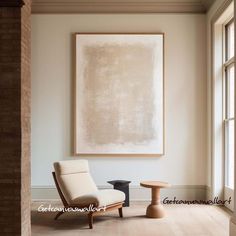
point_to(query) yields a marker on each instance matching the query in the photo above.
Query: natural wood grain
(153, 184)
(155, 209)
(181, 220)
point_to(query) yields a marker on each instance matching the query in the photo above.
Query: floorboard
(181, 220)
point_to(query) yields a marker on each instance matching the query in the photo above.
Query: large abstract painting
(119, 95)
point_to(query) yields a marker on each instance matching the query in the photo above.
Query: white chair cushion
(71, 167)
(74, 179)
(100, 198)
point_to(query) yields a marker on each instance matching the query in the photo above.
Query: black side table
(122, 185)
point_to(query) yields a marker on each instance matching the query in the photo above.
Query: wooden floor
(181, 220)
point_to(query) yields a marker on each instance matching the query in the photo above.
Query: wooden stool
(155, 209)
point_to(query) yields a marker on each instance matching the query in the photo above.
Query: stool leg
(155, 209)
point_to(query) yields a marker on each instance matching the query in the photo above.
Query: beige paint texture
(119, 94)
(119, 98)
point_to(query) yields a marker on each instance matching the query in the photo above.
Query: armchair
(78, 190)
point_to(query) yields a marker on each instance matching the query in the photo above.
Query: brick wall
(14, 119)
(25, 117)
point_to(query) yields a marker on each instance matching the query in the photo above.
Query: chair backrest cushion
(74, 178)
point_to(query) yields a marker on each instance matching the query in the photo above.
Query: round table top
(154, 184)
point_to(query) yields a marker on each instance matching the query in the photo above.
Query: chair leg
(90, 220)
(120, 212)
(58, 215)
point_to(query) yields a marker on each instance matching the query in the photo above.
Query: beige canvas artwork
(119, 94)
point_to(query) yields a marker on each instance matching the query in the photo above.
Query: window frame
(226, 26)
(228, 63)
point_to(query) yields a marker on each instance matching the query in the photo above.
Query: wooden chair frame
(91, 214)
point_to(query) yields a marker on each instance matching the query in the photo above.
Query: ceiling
(121, 6)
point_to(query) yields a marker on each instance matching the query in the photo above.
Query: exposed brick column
(25, 117)
(15, 117)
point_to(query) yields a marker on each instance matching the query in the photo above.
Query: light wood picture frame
(119, 93)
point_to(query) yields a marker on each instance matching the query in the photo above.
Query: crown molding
(116, 6)
(207, 3)
(11, 3)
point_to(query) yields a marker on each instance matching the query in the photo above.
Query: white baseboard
(137, 193)
(208, 192)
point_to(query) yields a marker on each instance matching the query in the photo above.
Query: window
(229, 104)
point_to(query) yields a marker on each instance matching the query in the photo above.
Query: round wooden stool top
(154, 184)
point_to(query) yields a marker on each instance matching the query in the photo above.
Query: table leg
(155, 209)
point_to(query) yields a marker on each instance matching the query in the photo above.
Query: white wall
(185, 160)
